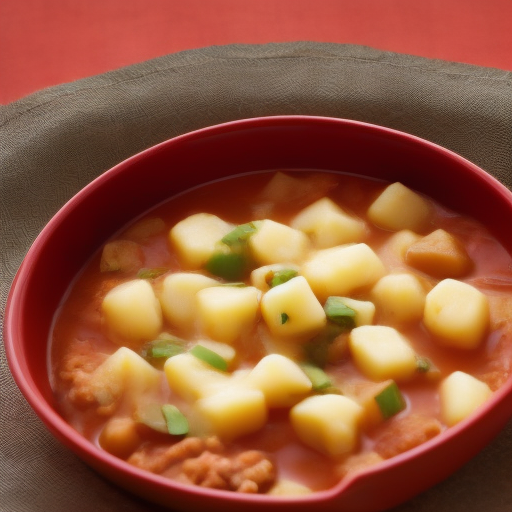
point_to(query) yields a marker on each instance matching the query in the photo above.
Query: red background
(47, 42)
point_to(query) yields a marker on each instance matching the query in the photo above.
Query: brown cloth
(55, 141)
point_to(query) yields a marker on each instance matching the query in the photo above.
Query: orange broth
(235, 200)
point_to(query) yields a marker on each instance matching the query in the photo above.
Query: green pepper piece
(319, 379)
(163, 348)
(277, 277)
(337, 312)
(177, 423)
(231, 266)
(151, 273)
(210, 357)
(390, 401)
(240, 235)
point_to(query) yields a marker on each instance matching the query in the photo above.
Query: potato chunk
(192, 378)
(132, 311)
(196, 237)
(381, 352)
(124, 373)
(276, 243)
(120, 437)
(121, 256)
(398, 207)
(226, 312)
(342, 270)
(328, 225)
(327, 423)
(461, 394)
(291, 309)
(400, 297)
(234, 412)
(178, 297)
(457, 313)
(439, 254)
(280, 379)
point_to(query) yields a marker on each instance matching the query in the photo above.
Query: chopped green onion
(337, 312)
(151, 273)
(284, 318)
(423, 364)
(277, 277)
(163, 348)
(230, 266)
(177, 424)
(240, 234)
(390, 401)
(210, 357)
(319, 379)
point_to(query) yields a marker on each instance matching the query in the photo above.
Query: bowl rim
(79, 444)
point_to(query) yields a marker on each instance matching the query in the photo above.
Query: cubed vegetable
(196, 238)
(121, 256)
(178, 297)
(234, 412)
(342, 270)
(398, 207)
(327, 423)
(399, 297)
(276, 243)
(225, 312)
(439, 254)
(280, 379)
(120, 437)
(132, 311)
(328, 225)
(123, 374)
(461, 394)
(192, 378)
(292, 310)
(457, 314)
(381, 352)
(364, 310)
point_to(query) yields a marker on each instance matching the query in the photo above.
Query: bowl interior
(147, 179)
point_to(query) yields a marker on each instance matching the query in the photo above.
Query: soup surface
(274, 332)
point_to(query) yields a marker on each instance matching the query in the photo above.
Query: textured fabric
(57, 140)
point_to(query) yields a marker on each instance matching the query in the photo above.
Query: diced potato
(398, 207)
(280, 379)
(381, 352)
(291, 309)
(457, 314)
(328, 225)
(121, 256)
(226, 312)
(286, 487)
(132, 311)
(342, 270)
(277, 243)
(400, 297)
(191, 378)
(120, 437)
(124, 373)
(439, 254)
(196, 237)
(227, 352)
(461, 394)
(259, 275)
(393, 251)
(327, 423)
(364, 309)
(178, 297)
(234, 412)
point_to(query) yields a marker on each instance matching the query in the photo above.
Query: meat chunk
(204, 462)
(402, 434)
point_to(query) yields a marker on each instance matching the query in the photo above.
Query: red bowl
(146, 179)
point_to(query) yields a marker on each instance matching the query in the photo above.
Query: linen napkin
(55, 141)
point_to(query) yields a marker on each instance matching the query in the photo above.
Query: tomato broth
(82, 340)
